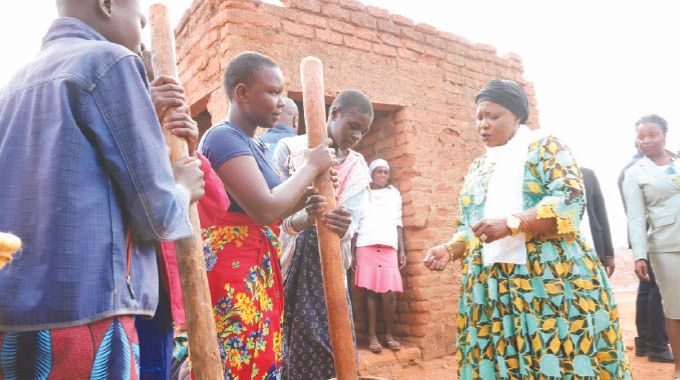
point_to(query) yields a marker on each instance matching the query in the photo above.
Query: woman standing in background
(379, 253)
(651, 189)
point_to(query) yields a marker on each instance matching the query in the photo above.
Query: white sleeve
(637, 216)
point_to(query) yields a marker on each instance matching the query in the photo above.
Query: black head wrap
(508, 94)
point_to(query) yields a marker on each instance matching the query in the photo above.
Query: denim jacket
(83, 161)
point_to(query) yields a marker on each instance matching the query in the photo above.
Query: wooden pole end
(158, 8)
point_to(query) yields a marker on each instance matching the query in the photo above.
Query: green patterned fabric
(553, 318)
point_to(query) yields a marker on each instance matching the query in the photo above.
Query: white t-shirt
(380, 218)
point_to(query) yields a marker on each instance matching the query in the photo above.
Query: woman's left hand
(609, 265)
(338, 220)
(642, 270)
(402, 259)
(490, 230)
(315, 204)
(166, 92)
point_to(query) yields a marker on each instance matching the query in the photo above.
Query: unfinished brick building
(422, 82)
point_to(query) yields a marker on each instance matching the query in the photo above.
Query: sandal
(393, 345)
(375, 348)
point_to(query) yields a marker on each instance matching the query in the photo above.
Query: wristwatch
(513, 223)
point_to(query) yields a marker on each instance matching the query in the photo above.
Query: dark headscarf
(508, 94)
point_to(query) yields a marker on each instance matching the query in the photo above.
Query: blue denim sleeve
(123, 124)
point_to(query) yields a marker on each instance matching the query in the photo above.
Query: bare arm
(401, 249)
(245, 183)
(438, 256)
(353, 248)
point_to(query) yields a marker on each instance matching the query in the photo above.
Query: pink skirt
(378, 269)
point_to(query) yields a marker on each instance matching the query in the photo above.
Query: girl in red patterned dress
(241, 249)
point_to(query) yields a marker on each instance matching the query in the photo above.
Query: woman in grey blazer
(651, 190)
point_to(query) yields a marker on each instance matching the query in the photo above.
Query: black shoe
(640, 348)
(664, 356)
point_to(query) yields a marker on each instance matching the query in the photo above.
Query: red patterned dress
(244, 274)
(246, 289)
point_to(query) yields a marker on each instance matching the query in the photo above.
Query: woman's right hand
(320, 158)
(642, 270)
(189, 175)
(180, 124)
(437, 258)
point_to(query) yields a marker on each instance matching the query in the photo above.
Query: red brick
(425, 281)
(335, 11)
(241, 4)
(426, 28)
(417, 319)
(390, 39)
(243, 16)
(419, 331)
(388, 26)
(313, 20)
(341, 27)
(308, 5)
(363, 19)
(352, 4)
(435, 52)
(378, 12)
(413, 45)
(401, 20)
(366, 34)
(219, 19)
(329, 36)
(417, 220)
(515, 60)
(298, 30)
(407, 54)
(420, 306)
(357, 43)
(413, 34)
(435, 41)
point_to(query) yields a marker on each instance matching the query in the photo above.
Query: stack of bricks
(421, 80)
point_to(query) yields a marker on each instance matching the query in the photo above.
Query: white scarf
(504, 196)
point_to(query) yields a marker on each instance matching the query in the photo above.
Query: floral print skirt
(246, 290)
(549, 319)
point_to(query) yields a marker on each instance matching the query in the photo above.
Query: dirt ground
(624, 283)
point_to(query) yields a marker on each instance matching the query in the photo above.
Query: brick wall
(422, 81)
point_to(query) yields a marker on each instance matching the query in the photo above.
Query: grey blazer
(652, 196)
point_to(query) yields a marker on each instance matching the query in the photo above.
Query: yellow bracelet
(449, 249)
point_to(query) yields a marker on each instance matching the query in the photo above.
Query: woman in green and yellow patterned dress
(535, 301)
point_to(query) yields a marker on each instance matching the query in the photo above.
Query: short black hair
(242, 68)
(656, 119)
(348, 99)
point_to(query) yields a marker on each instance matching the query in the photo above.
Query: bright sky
(597, 66)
